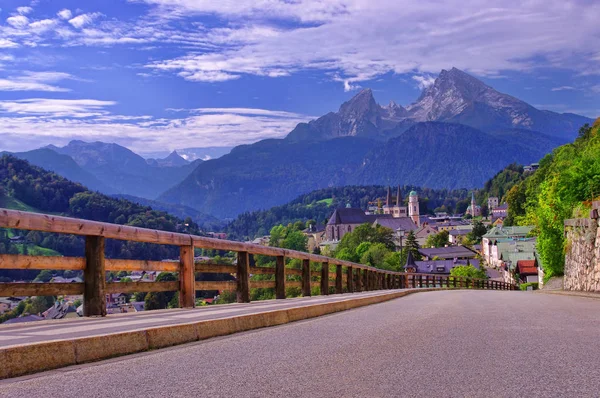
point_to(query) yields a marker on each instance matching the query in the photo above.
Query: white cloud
(24, 10)
(596, 88)
(424, 81)
(564, 88)
(65, 14)
(36, 121)
(84, 19)
(56, 108)
(42, 25)
(19, 21)
(362, 39)
(34, 81)
(5, 43)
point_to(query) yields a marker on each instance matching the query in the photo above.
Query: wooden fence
(348, 276)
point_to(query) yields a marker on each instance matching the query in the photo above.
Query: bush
(524, 286)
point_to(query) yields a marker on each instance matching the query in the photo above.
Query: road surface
(436, 344)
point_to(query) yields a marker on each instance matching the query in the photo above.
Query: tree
(44, 276)
(413, 246)
(438, 240)
(477, 233)
(375, 255)
(468, 271)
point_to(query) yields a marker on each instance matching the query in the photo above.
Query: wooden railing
(355, 277)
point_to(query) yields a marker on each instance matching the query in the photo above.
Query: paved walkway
(435, 344)
(64, 329)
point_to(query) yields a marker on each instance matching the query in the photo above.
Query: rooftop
(442, 266)
(448, 252)
(403, 223)
(507, 232)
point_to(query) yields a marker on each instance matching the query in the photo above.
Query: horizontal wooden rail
(40, 289)
(328, 273)
(132, 287)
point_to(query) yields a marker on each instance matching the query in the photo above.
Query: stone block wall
(582, 260)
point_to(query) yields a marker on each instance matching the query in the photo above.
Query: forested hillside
(27, 187)
(563, 187)
(319, 205)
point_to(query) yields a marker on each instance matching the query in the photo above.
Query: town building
(474, 209)
(447, 253)
(397, 210)
(413, 207)
(346, 220)
(436, 267)
(401, 227)
(531, 168)
(499, 212)
(527, 271)
(492, 203)
(457, 236)
(501, 234)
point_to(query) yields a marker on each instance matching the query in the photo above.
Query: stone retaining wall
(582, 259)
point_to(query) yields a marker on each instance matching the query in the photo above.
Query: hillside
(268, 173)
(122, 171)
(445, 155)
(567, 180)
(320, 204)
(27, 187)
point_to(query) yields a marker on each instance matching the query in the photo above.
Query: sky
(158, 75)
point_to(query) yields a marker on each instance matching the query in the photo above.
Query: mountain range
(457, 134)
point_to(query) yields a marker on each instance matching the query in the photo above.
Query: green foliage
(438, 240)
(290, 237)
(468, 271)
(565, 179)
(474, 237)
(524, 286)
(411, 245)
(48, 192)
(226, 297)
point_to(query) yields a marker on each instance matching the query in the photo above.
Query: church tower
(388, 199)
(413, 207)
(473, 205)
(398, 197)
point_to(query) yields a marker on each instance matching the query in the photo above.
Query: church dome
(413, 193)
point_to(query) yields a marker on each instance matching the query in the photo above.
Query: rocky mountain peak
(359, 105)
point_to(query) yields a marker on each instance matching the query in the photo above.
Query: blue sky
(157, 75)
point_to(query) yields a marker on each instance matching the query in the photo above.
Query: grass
(327, 201)
(34, 250)
(11, 203)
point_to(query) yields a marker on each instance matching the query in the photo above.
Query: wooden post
(358, 280)
(365, 276)
(325, 279)
(280, 277)
(94, 277)
(306, 278)
(414, 281)
(454, 281)
(187, 279)
(338, 279)
(349, 280)
(420, 280)
(242, 276)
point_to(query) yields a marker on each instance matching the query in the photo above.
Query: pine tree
(413, 246)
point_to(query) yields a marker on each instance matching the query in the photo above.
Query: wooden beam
(216, 285)
(306, 278)
(280, 277)
(349, 279)
(40, 289)
(94, 292)
(262, 284)
(324, 279)
(243, 289)
(140, 265)
(262, 270)
(338, 279)
(19, 261)
(187, 290)
(216, 268)
(133, 287)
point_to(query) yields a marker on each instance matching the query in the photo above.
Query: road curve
(437, 344)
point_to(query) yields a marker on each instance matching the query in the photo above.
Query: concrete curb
(25, 359)
(570, 293)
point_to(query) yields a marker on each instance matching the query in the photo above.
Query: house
(451, 225)
(423, 232)
(448, 253)
(474, 209)
(401, 227)
(457, 236)
(116, 299)
(531, 168)
(436, 267)
(315, 235)
(492, 203)
(5, 306)
(527, 270)
(25, 318)
(346, 220)
(501, 233)
(500, 212)
(217, 235)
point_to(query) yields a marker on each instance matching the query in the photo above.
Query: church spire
(398, 197)
(389, 197)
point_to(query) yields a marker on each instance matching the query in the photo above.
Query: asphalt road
(437, 344)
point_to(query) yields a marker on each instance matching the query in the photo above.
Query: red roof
(526, 267)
